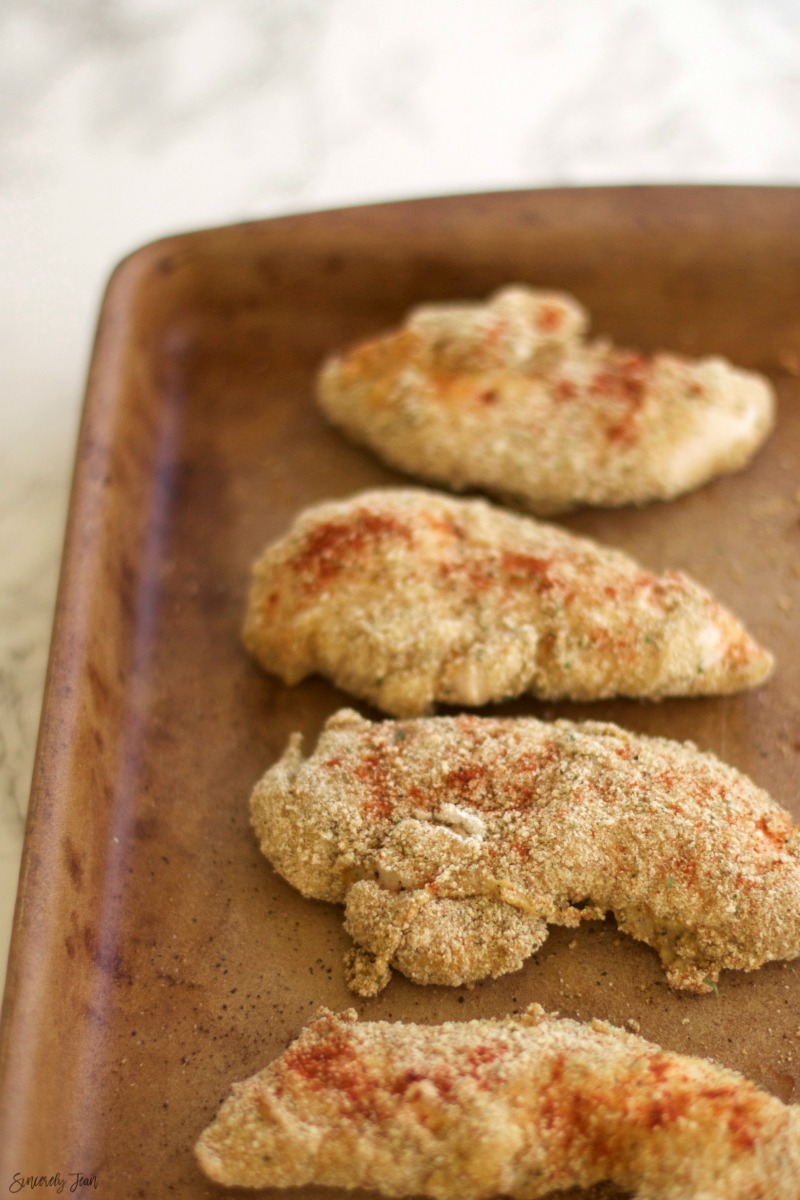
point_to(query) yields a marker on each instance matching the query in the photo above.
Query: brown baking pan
(156, 957)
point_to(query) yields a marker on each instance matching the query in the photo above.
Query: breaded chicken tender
(520, 1107)
(511, 398)
(406, 597)
(454, 841)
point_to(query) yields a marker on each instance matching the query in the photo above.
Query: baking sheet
(156, 957)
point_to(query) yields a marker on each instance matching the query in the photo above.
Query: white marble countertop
(127, 120)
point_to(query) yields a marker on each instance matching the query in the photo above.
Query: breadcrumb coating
(510, 397)
(519, 1107)
(404, 597)
(454, 841)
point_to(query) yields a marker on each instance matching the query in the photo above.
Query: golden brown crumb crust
(454, 841)
(518, 1107)
(508, 396)
(405, 597)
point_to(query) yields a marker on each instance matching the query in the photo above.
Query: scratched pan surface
(156, 957)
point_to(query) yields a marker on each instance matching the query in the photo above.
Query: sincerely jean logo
(57, 1183)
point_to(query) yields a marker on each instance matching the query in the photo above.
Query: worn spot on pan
(784, 1086)
(107, 957)
(72, 939)
(73, 862)
(99, 685)
(145, 828)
